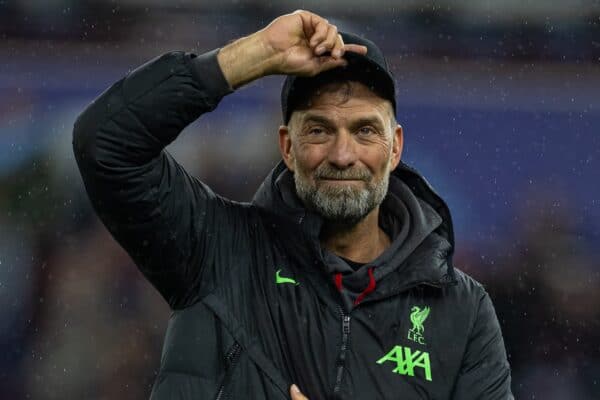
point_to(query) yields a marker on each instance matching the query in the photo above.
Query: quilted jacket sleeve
(485, 372)
(163, 217)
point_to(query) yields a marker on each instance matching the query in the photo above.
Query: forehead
(346, 99)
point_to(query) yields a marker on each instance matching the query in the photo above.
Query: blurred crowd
(507, 134)
(545, 284)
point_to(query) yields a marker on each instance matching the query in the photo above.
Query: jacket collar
(429, 261)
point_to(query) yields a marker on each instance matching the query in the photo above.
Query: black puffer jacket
(257, 303)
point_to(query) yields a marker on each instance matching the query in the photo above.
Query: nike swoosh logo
(282, 279)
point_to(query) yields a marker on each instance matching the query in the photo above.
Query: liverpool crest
(418, 317)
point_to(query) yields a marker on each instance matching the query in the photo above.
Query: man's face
(341, 148)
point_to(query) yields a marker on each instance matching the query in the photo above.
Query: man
(336, 278)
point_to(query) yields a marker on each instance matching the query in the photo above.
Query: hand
(300, 43)
(305, 44)
(296, 393)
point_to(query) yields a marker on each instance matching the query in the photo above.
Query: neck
(362, 242)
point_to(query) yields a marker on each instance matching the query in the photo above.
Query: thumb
(296, 393)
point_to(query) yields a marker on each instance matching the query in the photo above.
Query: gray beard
(345, 205)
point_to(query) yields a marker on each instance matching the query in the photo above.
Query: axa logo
(418, 317)
(406, 361)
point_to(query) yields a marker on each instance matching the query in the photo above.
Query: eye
(366, 131)
(316, 131)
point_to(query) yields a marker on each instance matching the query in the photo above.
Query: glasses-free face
(341, 147)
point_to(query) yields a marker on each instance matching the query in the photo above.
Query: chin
(344, 211)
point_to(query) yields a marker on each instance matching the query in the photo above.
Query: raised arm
(167, 220)
(148, 202)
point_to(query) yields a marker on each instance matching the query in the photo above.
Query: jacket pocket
(249, 372)
(231, 360)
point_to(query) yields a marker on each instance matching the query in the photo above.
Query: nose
(343, 152)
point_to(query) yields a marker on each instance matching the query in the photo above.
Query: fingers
(320, 27)
(356, 48)
(338, 47)
(319, 46)
(329, 42)
(334, 43)
(323, 37)
(296, 394)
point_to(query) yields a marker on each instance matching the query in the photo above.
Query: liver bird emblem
(417, 317)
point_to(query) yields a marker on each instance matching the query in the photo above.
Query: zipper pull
(346, 324)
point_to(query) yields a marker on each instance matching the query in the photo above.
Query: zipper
(231, 359)
(343, 348)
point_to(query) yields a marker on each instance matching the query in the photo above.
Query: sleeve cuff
(206, 69)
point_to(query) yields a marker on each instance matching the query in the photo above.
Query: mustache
(326, 172)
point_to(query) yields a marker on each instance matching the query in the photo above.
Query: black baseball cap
(370, 69)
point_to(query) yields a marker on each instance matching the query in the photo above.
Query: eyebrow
(361, 121)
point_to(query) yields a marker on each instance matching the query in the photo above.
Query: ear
(285, 146)
(397, 146)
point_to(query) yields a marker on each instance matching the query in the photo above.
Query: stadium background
(500, 106)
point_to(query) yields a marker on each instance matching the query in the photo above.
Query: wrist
(247, 59)
(270, 56)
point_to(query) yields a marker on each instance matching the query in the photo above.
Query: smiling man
(336, 281)
(342, 151)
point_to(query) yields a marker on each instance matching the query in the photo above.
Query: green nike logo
(282, 279)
